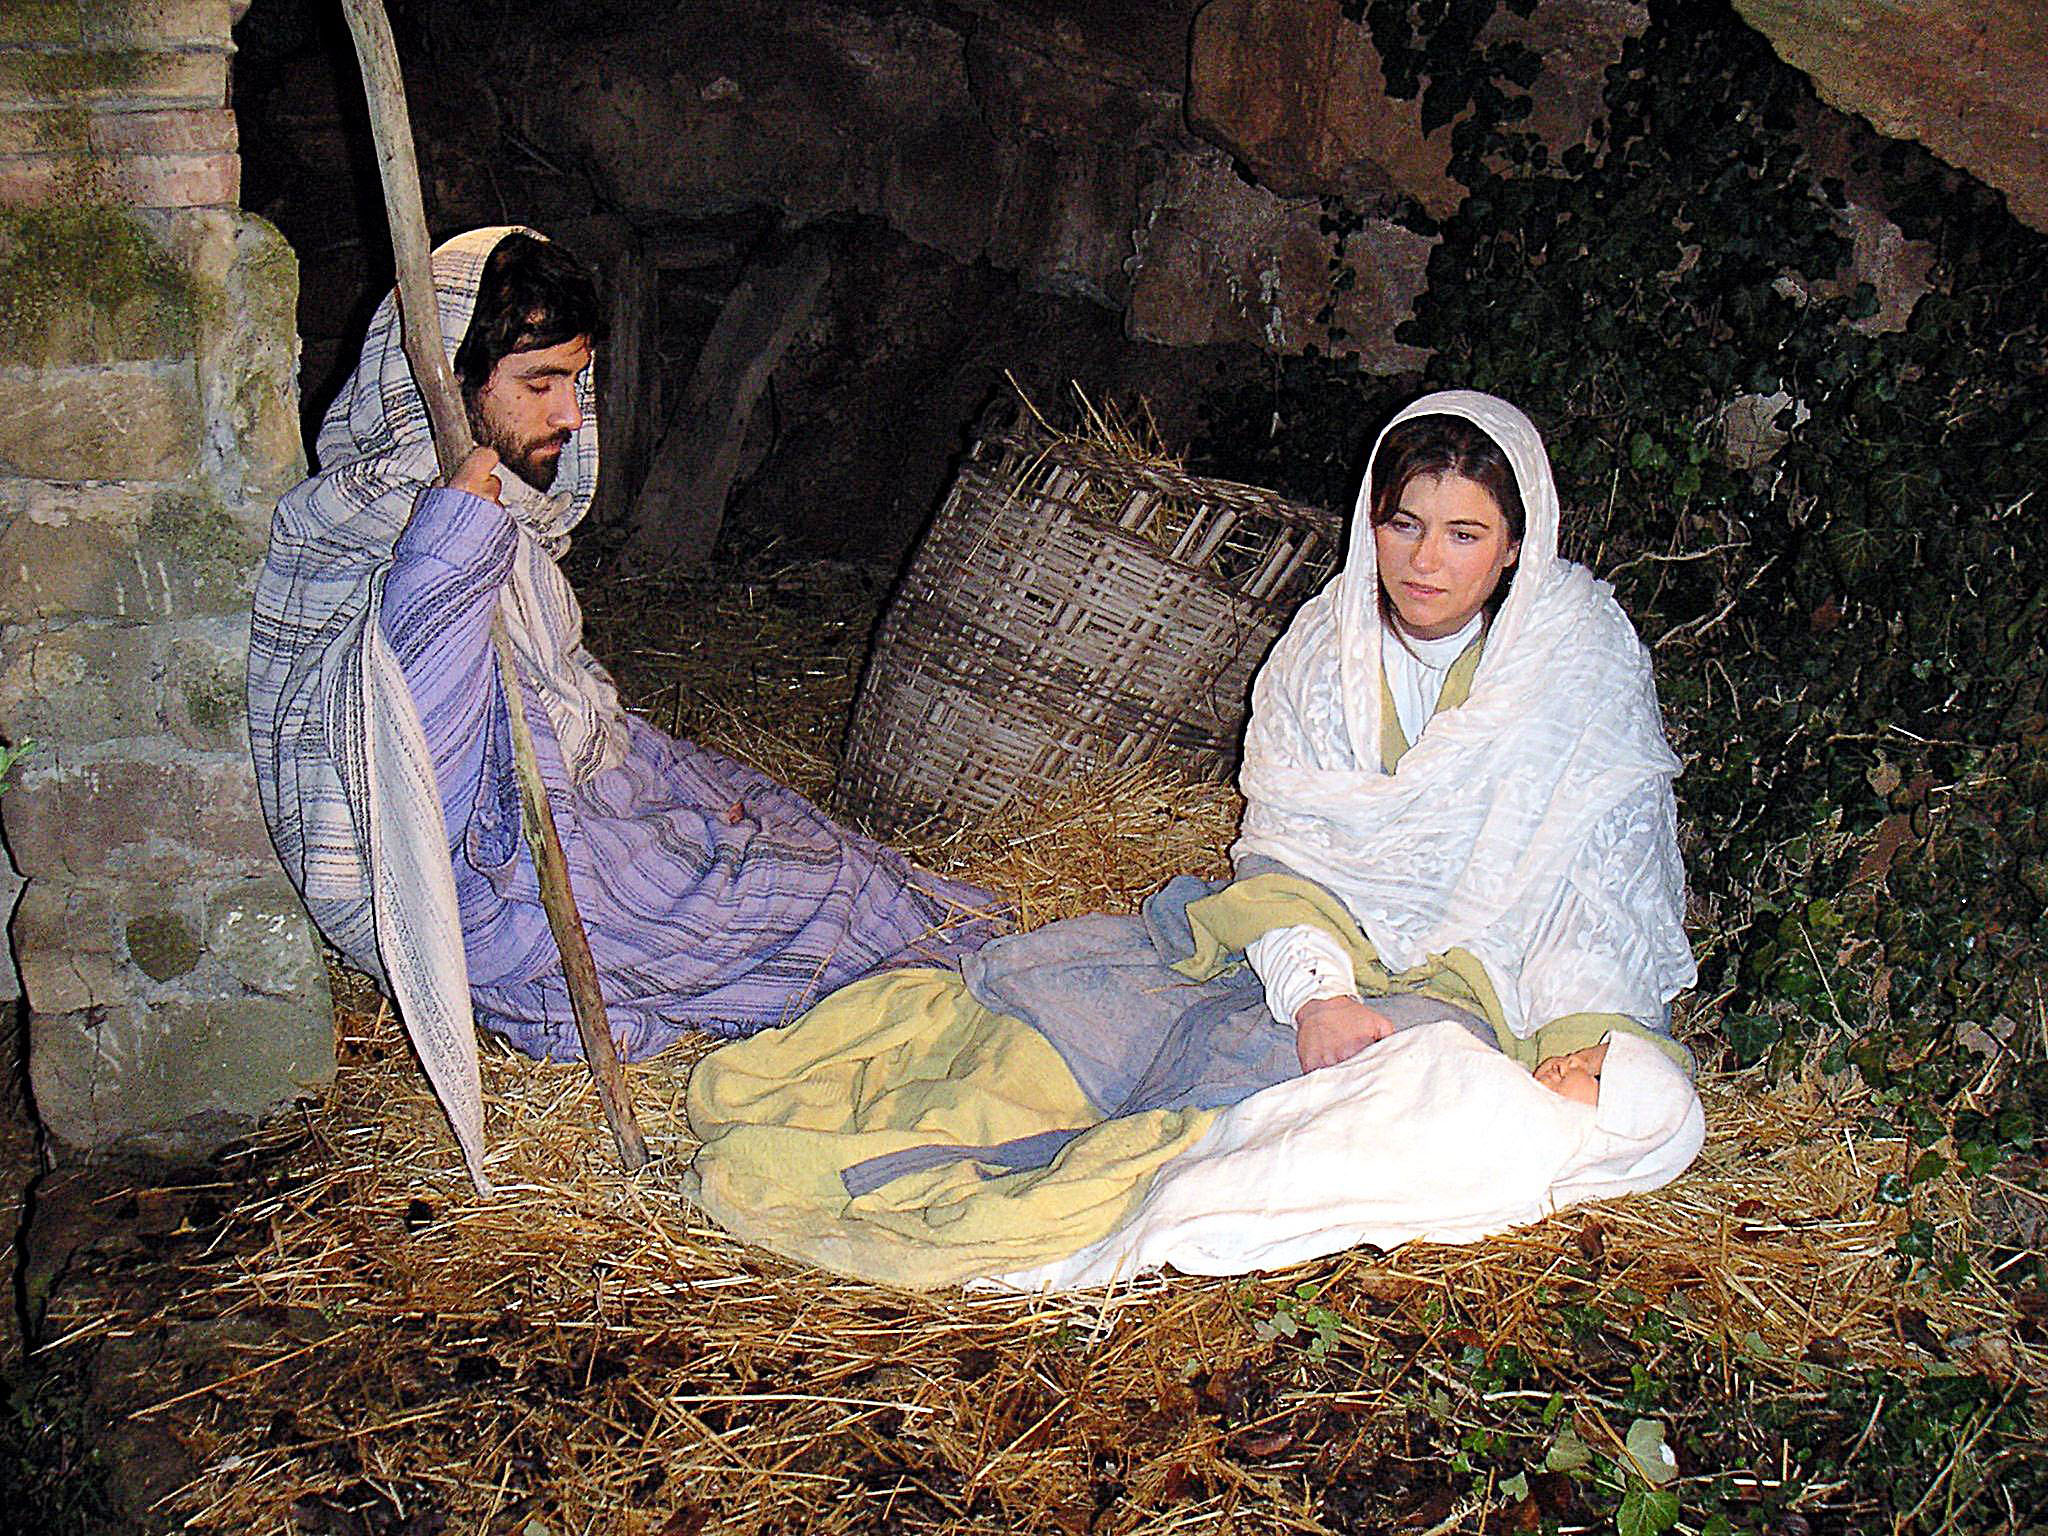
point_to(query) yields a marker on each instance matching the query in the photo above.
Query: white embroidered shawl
(342, 764)
(1533, 825)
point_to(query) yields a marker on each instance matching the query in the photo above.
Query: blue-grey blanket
(1136, 1033)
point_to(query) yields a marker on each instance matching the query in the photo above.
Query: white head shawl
(1532, 826)
(342, 765)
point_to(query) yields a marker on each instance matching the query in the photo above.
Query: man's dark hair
(533, 294)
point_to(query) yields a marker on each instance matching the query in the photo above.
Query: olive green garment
(901, 1060)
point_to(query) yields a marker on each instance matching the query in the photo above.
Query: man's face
(527, 408)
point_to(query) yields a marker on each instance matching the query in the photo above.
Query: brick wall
(148, 423)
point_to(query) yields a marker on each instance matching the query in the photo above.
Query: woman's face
(1442, 553)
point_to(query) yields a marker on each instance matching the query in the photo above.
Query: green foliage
(52, 1479)
(1647, 1512)
(10, 754)
(1846, 612)
(1966, 1444)
(1299, 1316)
(1544, 1434)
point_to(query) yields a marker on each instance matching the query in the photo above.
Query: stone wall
(148, 423)
(1060, 153)
(1967, 78)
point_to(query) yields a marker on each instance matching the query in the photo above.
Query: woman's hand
(1333, 1029)
(478, 475)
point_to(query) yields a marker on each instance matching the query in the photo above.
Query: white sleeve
(1299, 965)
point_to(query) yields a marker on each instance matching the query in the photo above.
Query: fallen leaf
(1915, 1329)
(1592, 1241)
(1655, 1462)
(1259, 1447)
(1568, 1453)
(1828, 1350)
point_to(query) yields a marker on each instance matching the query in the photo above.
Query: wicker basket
(1073, 609)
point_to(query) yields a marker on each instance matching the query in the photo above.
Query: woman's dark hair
(533, 294)
(1427, 447)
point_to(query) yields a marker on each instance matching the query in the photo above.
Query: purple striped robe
(715, 899)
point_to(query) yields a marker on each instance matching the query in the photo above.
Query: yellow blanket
(897, 1065)
(904, 1060)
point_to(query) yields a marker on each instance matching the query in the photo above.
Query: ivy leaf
(1654, 1460)
(1568, 1453)
(1647, 1512)
(1442, 100)
(1750, 1035)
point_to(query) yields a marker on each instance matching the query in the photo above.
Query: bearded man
(714, 898)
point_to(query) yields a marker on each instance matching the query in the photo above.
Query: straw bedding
(583, 1353)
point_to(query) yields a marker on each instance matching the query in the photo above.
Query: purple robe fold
(714, 898)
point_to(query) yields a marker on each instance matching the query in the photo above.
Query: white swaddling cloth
(1427, 1135)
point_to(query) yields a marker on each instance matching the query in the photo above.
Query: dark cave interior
(923, 315)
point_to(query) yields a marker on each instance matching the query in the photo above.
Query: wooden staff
(391, 129)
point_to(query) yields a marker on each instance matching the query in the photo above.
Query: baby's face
(1576, 1074)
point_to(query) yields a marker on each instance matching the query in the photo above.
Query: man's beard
(527, 460)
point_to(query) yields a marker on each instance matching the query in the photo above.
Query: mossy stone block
(248, 350)
(42, 21)
(120, 819)
(82, 683)
(125, 77)
(127, 421)
(190, 559)
(180, 1075)
(90, 283)
(65, 937)
(257, 931)
(205, 687)
(158, 22)
(206, 558)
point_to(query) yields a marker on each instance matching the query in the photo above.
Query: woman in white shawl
(1459, 739)
(1458, 868)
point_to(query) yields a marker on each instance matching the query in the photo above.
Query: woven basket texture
(1073, 609)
